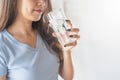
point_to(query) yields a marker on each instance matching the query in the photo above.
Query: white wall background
(97, 55)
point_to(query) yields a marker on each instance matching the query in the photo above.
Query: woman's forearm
(2, 77)
(67, 66)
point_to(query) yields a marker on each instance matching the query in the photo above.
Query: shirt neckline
(14, 40)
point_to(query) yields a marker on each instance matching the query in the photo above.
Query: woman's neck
(21, 25)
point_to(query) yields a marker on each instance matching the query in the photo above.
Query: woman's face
(31, 9)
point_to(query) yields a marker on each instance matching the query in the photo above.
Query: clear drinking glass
(60, 24)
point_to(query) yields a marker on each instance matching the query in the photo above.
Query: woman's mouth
(38, 11)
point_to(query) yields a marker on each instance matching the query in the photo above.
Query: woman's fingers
(74, 30)
(69, 32)
(71, 44)
(54, 34)
(73, 33)
(75, 36)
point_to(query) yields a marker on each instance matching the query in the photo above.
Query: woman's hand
(73, 34)
(66, 67)
(2, 77)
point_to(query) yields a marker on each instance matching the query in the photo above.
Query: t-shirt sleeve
(3, 66)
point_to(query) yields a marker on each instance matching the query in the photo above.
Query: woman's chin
(37, 18)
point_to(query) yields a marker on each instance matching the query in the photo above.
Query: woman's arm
(2, 77)
(66, 68)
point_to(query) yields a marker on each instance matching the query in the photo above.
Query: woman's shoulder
(1, 49)
(2, 40)
(1, 37)
(2, 45)
(3, 54)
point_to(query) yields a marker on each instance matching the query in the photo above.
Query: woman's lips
(38, 11)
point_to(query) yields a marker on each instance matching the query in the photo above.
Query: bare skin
(22, 30)
(66, 69)
(2, 77)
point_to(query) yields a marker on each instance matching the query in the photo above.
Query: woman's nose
(41, 3)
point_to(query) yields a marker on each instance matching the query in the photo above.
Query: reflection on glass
(60, 24)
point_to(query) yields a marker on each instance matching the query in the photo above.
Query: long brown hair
(8, 13)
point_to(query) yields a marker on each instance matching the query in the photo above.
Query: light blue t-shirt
(19, 61)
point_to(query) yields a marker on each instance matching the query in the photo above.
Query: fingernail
(69, 30)
(71, 36)
(64, 45)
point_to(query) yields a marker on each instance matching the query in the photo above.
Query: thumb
(54, 34)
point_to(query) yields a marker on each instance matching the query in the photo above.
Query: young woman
(29, 49)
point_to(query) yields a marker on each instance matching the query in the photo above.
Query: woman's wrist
(66, 53)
